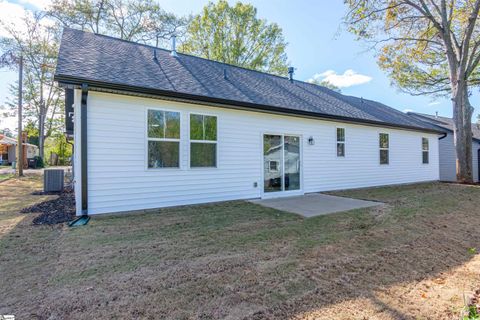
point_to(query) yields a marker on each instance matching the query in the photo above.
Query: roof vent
(436, 114)
(291, 70)
(225, 73)
(155, 54)
(174, 49)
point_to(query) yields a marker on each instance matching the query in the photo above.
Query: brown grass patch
(237, 260)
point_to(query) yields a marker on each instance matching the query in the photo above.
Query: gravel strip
(54, 211)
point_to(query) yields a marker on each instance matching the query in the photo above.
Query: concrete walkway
(315, 204)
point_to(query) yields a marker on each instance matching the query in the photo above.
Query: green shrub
(470, 312)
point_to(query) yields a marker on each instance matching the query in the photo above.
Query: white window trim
(380, 149)
(190, 141)
(270, 167)
(267, 195)
(428, 151)
(344, 143)
(147, 139)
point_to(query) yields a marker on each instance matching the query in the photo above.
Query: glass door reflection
(272, 162)
(281, 161)
(292, 162)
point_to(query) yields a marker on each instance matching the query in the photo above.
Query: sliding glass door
(292, 162)
(281, 162)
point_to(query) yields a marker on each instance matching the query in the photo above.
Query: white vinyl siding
(448, 158)
(475, 148)
(119, 180)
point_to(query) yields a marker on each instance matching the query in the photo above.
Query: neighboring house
(447, 152)
(8, 150)
(155, 128)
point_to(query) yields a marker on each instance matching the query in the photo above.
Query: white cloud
(11, 15)
(347, 79)
(434, 103)
(407, 110)
(39, 4)
(9, 122)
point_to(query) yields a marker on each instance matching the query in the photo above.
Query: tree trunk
(41, 134)
(41, 125)
(462, 115)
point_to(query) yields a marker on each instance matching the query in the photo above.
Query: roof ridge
(232, 65)
(185, 54)
(214, 61)
(428, 115)
(435, 120)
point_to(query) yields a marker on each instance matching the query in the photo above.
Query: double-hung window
(425, 149)
(203, 141)
(384, 148)
(163, 139)
(340, 142)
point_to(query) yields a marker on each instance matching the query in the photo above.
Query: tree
(162, 25)
(325, 84)
(141, 21)
(31, 129)
(427, 47)
(86, 15)
(38, 41)
(3, 115)
(57, 144)
(39, 38)
(6, 132)
(234, 35)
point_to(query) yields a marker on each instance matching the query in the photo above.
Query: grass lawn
(412, 258)
(5, 176)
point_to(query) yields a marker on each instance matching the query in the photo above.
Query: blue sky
(317, 44)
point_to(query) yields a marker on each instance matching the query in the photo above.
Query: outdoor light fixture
(311, 141)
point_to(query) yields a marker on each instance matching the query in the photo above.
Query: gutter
(219, 102)
(83, 148)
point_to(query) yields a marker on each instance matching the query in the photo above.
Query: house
(8, 150)
(447, 152)
(156, 128)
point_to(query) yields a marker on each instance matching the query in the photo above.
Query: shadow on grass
(240, 260)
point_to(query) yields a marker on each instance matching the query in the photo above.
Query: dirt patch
(412, 259)
(59, 210)
(16, 193)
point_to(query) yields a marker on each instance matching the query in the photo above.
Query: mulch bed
(54, 211)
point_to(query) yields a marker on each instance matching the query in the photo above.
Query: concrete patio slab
(315, 204)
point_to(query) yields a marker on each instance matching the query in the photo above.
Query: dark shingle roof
(102, 61)
(444, 123)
